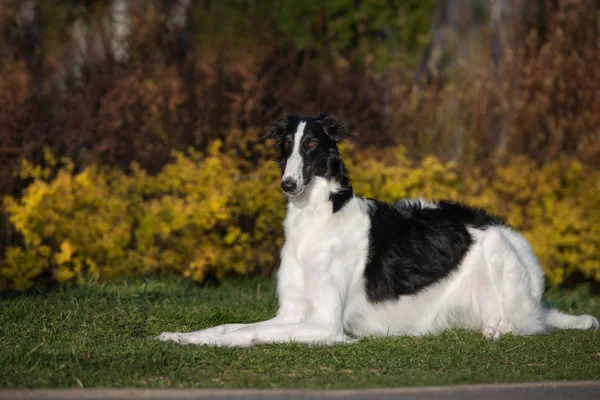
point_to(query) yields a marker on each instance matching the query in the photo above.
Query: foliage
(214, 213)
(377, 30)
(539, 97)
(187, 77)
(192, 79)
(200, 215)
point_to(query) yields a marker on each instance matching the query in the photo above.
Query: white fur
(497, 288)
(294, 165)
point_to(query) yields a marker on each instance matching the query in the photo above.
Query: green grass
(103, 336)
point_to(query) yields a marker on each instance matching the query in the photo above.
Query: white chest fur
(324, 253)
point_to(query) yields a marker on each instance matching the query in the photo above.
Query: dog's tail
(558, 319)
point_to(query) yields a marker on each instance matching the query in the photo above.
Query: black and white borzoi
(360, 266)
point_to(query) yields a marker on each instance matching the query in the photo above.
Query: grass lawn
(103, 336)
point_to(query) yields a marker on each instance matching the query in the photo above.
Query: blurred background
(128, 129)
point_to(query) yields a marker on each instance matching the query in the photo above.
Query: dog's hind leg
(520, 282)
(552, 317)
(518, 304)
(558, 319)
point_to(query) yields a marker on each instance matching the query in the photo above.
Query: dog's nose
(288, 185)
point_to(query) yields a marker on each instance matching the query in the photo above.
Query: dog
(359, 266)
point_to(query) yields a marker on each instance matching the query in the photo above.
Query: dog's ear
(277, 130)
(334, 127)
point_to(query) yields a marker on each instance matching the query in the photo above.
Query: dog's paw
(188, 338)
(347, 340)
(587, 322)
(169, 337)
(490, 333)
(193, 338)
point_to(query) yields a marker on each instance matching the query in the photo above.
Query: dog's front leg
(213, 333)
(292, 309)
(301, 332)
(323, 323)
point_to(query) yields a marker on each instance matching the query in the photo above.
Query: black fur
(412, 247)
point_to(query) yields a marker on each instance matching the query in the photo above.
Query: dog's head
(308, 148)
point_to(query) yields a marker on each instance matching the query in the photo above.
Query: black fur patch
(339, 199)
(337, 170)
(412, 247)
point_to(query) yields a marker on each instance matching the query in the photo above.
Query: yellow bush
(83, 223)
(219, 212)
(200, 215)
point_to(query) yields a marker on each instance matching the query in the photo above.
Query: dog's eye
(312, 144)
(287, 143)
